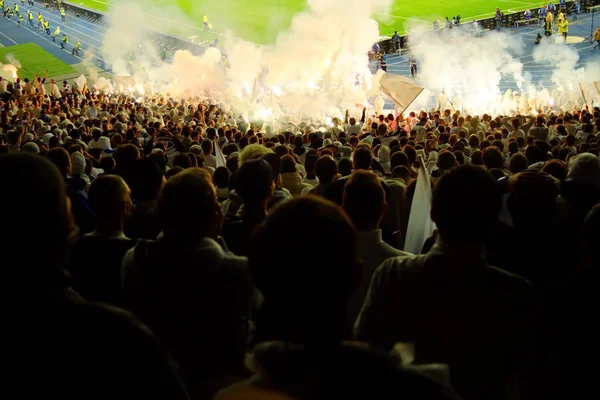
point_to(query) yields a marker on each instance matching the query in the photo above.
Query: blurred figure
(54, 333)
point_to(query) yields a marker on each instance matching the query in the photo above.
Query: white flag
(420, 225)
(400, 89)
(81, 81)
(221, 162)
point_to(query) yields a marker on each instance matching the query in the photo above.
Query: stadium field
(261, 20)
(34, 58)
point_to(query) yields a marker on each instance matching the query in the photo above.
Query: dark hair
(345, 166)
(39, 188)
(106, 196)
(556, 168)
(492, 158)
(288, 164)
(362, 158)
(221, 177)
(182, 160)
(364, 199)
(147, 180)
(326, 169)
(458, 187)
(61, 159)
(254, 180)
(191, 189)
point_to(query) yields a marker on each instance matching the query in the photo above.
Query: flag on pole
(420, 225)
(400, 89)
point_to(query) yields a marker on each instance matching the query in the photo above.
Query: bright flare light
(277, 91)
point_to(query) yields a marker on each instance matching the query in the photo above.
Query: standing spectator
(96, 260)
(365, 204)
(54, 333)
(450, 303)
(193, 294)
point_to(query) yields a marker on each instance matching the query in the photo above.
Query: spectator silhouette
(70, 349)
(96, 260)
(194, 295)
(454, 307)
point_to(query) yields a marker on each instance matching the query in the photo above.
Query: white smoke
(12, 67)
(467, 70)
(316, 68)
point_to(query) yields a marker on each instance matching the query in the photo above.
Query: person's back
(365, 203)
(302, 324)
(196, 297)
(61, 346)
(97, 257)
(451, 304)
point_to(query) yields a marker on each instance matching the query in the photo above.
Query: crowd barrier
(172, 42)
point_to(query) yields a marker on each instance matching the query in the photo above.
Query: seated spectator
(54, 333)
(174, 284)
(365, 204)
(96, 260)
(301, 354)
(450, 303)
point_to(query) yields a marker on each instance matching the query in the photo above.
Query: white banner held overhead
(400, 89)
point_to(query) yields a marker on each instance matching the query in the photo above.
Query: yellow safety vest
(40, 18)
(205, 19)
(65, 39)
(16, 8)
(46, 24)
(77, 45)
(30, 16)
(57, 31)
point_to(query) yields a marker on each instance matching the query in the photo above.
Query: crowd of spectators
(164, 248)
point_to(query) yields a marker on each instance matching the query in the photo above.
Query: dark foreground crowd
(168, 249)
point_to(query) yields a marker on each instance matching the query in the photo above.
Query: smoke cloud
(317, 67)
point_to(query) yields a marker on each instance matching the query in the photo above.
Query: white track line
(9, 38)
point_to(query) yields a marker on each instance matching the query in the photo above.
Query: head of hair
(458, 187)
(207, 146)
(182, 160)
(188, 207)
(126, 155)
(585, 168)
(477, 158)
(326, 169)
(345, 166)
(401, 171)
(171, 172)
(518, 163)
(532, 198)
(399, 158)
(38, 188)
(364, 200)
(253, 151)
(221, 177)
(282, 286)
(446, 160)
(492, 158)
(362, 158)
(288, 164)
(109, 197)
(147, 180)
(556, 168)
(254, 181)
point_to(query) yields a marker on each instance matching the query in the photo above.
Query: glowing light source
(277, 91)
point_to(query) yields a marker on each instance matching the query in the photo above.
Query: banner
(400, 89)
(420, 225)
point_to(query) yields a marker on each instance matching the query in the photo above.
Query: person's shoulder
(510, 279)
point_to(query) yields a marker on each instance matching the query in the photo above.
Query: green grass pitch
(34, 58)
(261, 20)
